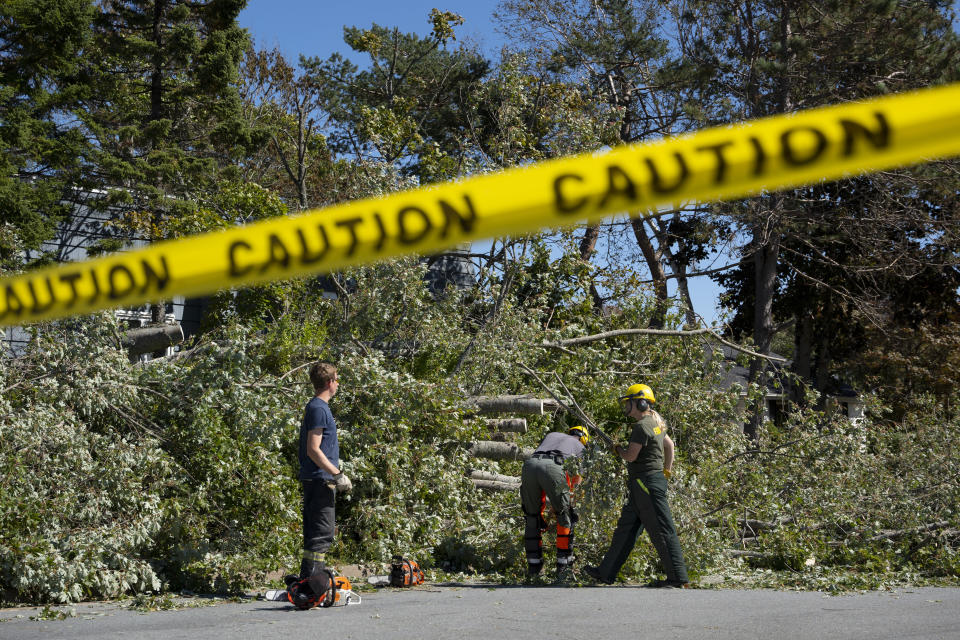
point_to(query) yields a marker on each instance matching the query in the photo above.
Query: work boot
(667, 584)
(564, 569)
(675, 584)
(534, 569)
(594, 573)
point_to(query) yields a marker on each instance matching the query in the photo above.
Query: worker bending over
(544, 477)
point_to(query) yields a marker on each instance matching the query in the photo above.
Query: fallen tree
(476, 474)
(896, 534)
(498, 450)
(152, 338)
(507, 425)
(563, 345)
(492, 485)
(521, 404)
(750, 528)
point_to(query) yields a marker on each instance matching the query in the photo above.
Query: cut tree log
(498, 450)
(490, 485)
(476, 474)
(152, 338)
(511, 404)
(507, 425)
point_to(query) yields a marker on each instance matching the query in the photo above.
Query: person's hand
(342, 483)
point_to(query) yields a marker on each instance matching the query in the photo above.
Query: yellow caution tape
(721, 163)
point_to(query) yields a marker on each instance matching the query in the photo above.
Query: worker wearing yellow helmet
(545, 476)
(649, 457)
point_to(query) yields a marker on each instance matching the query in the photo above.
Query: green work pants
(646, 508)
(539, 477)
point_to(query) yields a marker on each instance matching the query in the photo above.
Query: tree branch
(562, 344)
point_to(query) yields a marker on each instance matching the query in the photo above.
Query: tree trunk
(765, 270)
(652, 256)
(302, 134)
(507, 425)
(679, 271)
(157, 309)
(587, 245)
(766, 238)
(511, 404)
(156, 77)
(824, 359)
(803, 343)
(765, 259)
(683, 289)
(152, 339)
(498, 450)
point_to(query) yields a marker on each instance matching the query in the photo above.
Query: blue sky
(315, 28)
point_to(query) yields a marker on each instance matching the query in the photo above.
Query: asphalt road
(493, 612)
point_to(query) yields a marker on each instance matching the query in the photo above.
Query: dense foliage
(180, 473)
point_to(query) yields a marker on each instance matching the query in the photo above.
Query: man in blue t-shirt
(320, 472)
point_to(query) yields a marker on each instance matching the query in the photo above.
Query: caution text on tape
(720, 163)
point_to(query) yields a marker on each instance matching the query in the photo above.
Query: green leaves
(40, 84)
(443, 23)
(117, 479)
(162, 80)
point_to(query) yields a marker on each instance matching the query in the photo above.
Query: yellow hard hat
(581, 433)
(638, 391)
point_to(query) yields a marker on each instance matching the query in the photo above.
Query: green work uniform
(543, 477)
(646, 507)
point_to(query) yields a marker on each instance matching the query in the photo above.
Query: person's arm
(630, 453)
(314, 438)
(637, 440)
(667, 455)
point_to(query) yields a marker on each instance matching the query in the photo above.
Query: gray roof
(736, 373)
(450, 269)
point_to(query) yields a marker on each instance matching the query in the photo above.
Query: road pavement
(491, 612)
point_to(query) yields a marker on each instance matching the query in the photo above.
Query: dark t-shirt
(648, 433)
(317, 415)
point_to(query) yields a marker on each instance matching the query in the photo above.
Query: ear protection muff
(642, 404)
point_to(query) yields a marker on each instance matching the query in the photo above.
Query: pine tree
(41, 147)
(825, 259)
(410, 102)
(165, 110)
(621, 55)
